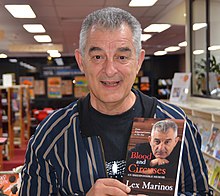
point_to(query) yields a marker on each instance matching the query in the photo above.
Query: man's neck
(114, 108)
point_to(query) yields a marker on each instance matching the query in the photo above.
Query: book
(215, 180)
(154, 156)
(212, 146)
(210, 163)
(180, 87)
(204, 127)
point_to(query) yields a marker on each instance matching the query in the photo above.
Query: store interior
(181, 66)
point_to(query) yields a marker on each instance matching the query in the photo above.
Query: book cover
(212, 147)
(154, 156)
(210, 163)
(180, 86)
(204, 127)
(215, 180)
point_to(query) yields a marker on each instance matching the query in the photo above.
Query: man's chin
(160, 157)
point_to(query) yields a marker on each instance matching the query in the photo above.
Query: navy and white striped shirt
(58, 161)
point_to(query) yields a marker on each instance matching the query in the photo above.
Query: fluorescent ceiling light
(21, 11)
(145, 37)
(157, 28)
(34, 28)
(3, 56)
(13, 60)
(198, 26)
(160, 53)
(197, 52)
(140, 3)
(42, 38)
(54, 53)
(215, 47)
(182, 44)
(172, 48)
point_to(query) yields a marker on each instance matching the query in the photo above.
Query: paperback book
(154, 156)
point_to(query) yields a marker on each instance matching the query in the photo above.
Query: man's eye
(167, 142)
(157, 142)
(97, 57)
(122, 57)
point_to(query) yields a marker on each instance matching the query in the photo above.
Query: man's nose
(161, 146)
(110, 67)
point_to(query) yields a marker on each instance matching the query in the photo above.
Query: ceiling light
(157, 28)
(42, 38)
(145, 37)
(198, 26)
(3, 56)
(34, 28)
(172, 48)
(54, 53)
(139, 3)
(197, 52)
(21, 11)
(13, 60)
(160, 53)
(215, 47)
(182, 44)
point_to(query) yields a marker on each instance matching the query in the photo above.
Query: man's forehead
(103, 43)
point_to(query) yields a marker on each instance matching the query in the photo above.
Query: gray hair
(163, 126)
(110, 18)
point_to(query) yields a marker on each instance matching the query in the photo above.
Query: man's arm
(193, 178)
(37, 175)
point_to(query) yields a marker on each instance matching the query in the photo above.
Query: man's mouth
(112, 83)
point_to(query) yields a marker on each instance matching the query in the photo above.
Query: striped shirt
(60, 162)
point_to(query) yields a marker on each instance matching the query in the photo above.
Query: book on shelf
(204, 127)
(213, 147)
(210, 163)
(215, 180)
(180, 86)
(154, 156)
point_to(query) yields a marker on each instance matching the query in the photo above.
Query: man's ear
(79, 60)
(176, 139)
(140, 59)
(149, 139)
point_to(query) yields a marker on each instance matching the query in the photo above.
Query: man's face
(110, 64)
(162, 144)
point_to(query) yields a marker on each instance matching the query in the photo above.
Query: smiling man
(163, 139)
(64, 156)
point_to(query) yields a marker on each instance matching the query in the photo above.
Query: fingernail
(128, 189)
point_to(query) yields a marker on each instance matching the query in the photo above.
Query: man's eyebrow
(124, 49)
(94, 48)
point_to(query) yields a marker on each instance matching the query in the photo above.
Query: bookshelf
(7, 121)
(15, 117)
(207, 118)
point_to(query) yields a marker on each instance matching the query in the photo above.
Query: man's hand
(158, 161)
(108, 186)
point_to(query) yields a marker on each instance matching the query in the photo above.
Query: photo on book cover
(154, 156)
